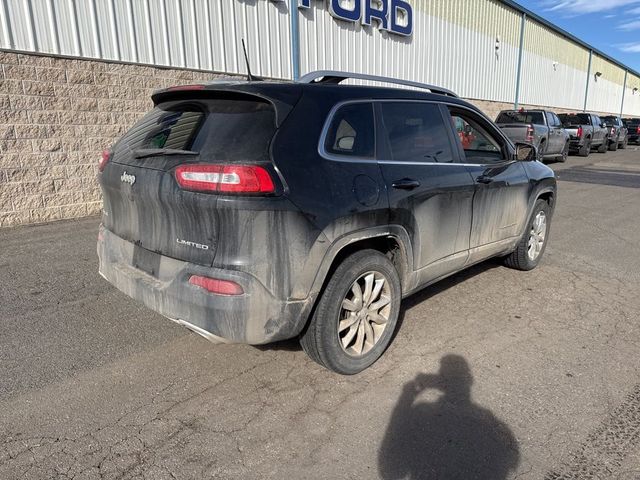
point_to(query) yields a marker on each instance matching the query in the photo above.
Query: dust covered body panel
(228, 207)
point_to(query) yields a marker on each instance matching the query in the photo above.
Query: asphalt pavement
(493, 374)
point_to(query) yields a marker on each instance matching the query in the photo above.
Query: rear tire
(613, 146)
(531, 247)
(585, 149)
(349, 329)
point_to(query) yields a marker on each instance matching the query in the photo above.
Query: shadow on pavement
(449, 438)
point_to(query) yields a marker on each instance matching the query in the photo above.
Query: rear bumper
(256, 317)
(634, 138)
(576, 144)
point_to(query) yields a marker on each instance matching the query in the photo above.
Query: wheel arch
(391, 240)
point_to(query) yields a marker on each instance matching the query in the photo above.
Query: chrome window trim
(347, 159)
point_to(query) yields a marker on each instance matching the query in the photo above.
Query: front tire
(565, 153)
(542, 149)
(531, 247)
(356, 315)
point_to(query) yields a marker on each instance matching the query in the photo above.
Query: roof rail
(332, 76)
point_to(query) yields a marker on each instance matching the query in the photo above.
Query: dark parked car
(541, 128)
(254, 212)
(633, 127)
(586, 131)
(618, 132)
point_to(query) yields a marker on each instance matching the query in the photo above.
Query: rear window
(520, 117)
(610, 120)
(575, 119)
(223, 129)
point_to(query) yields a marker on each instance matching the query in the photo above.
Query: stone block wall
(58, 114)
(56, 117)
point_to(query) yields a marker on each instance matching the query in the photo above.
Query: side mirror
(603, 125)
(525, 152)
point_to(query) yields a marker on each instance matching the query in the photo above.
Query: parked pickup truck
(538, 127)
(618, 132)
(633, 125)
(586, 131)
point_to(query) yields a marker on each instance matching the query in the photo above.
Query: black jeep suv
(258, 211)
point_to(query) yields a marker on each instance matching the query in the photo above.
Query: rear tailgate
(143, 202)
(517, 132)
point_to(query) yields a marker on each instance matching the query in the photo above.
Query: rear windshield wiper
(153, 152)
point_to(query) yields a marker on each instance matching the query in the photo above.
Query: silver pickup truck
(541, 128)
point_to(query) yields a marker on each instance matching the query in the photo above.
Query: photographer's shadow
(449, 438)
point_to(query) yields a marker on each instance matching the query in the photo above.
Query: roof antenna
(250, 76)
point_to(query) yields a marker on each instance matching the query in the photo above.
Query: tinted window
(352, 132)
(550, 120)
(415, 132)
(479, 145)
(517, 116)
(610, 120)
(575, 119)
(223, 129)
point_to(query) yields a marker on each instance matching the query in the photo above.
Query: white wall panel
(631, 98)
(439, 52)
(453, 44)
(542, 83)
(199, 34)
(604, 96)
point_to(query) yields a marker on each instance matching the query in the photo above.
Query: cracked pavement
(493, 373)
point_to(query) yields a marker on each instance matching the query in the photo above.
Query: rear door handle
(406, 184)
(484, 179)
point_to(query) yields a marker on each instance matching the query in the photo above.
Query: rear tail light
(530, 130)
(613, 130)
(224, 178)
(638, 130)
(104, 159)
(579, 132)
(217, 286)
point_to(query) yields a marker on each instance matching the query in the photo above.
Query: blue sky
(612, 26)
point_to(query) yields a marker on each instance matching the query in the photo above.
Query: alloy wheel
(364, 313)
(537, 235)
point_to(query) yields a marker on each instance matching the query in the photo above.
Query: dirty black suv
(256, 211)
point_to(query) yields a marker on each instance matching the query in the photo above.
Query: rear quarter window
(351, 132)
(224, 129)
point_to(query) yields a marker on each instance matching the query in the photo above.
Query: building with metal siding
(471, 47)
(76, 74)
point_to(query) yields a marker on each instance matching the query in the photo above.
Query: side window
(557, 120)
(351, 132)
(479, 145)
(416, 132)
(551, 122)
